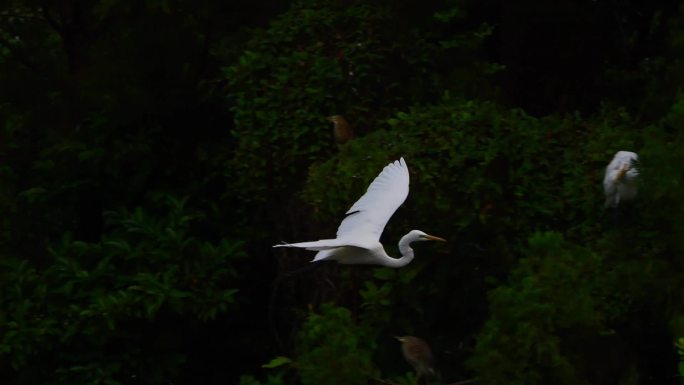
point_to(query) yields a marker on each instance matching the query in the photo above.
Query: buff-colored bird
(417, 353)
(342, 131)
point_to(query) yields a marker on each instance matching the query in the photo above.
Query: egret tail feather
(323, 244)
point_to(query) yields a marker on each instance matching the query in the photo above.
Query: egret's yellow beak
(433, 238)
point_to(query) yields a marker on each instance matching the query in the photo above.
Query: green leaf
(384, 273)
(276, 362)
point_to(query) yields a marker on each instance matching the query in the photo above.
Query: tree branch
(51, 20)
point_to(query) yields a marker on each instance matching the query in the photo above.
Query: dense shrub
(106, 296)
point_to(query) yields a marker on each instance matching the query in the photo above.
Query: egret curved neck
(406, 253)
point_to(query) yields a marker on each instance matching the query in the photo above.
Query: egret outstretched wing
(367, 218)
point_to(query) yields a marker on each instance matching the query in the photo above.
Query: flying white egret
(358, 237)
(619, 182)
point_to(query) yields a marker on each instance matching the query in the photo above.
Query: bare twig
(51, 20)
(464, 382)
(383, 381)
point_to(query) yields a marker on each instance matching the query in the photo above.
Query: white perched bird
(358, 237)
(619, 182)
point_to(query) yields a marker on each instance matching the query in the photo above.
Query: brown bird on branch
(417, 353)
(342, 131)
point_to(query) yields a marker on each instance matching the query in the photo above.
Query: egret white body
(358, 237)
(619, 182)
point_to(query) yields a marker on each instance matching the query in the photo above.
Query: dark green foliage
(320, 59)
(331, 348)
(334, 349)
(495, 177)
(553, 299)
(308, 58)
(475, 160)
(94, 296)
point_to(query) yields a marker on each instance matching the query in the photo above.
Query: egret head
(418, 235)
